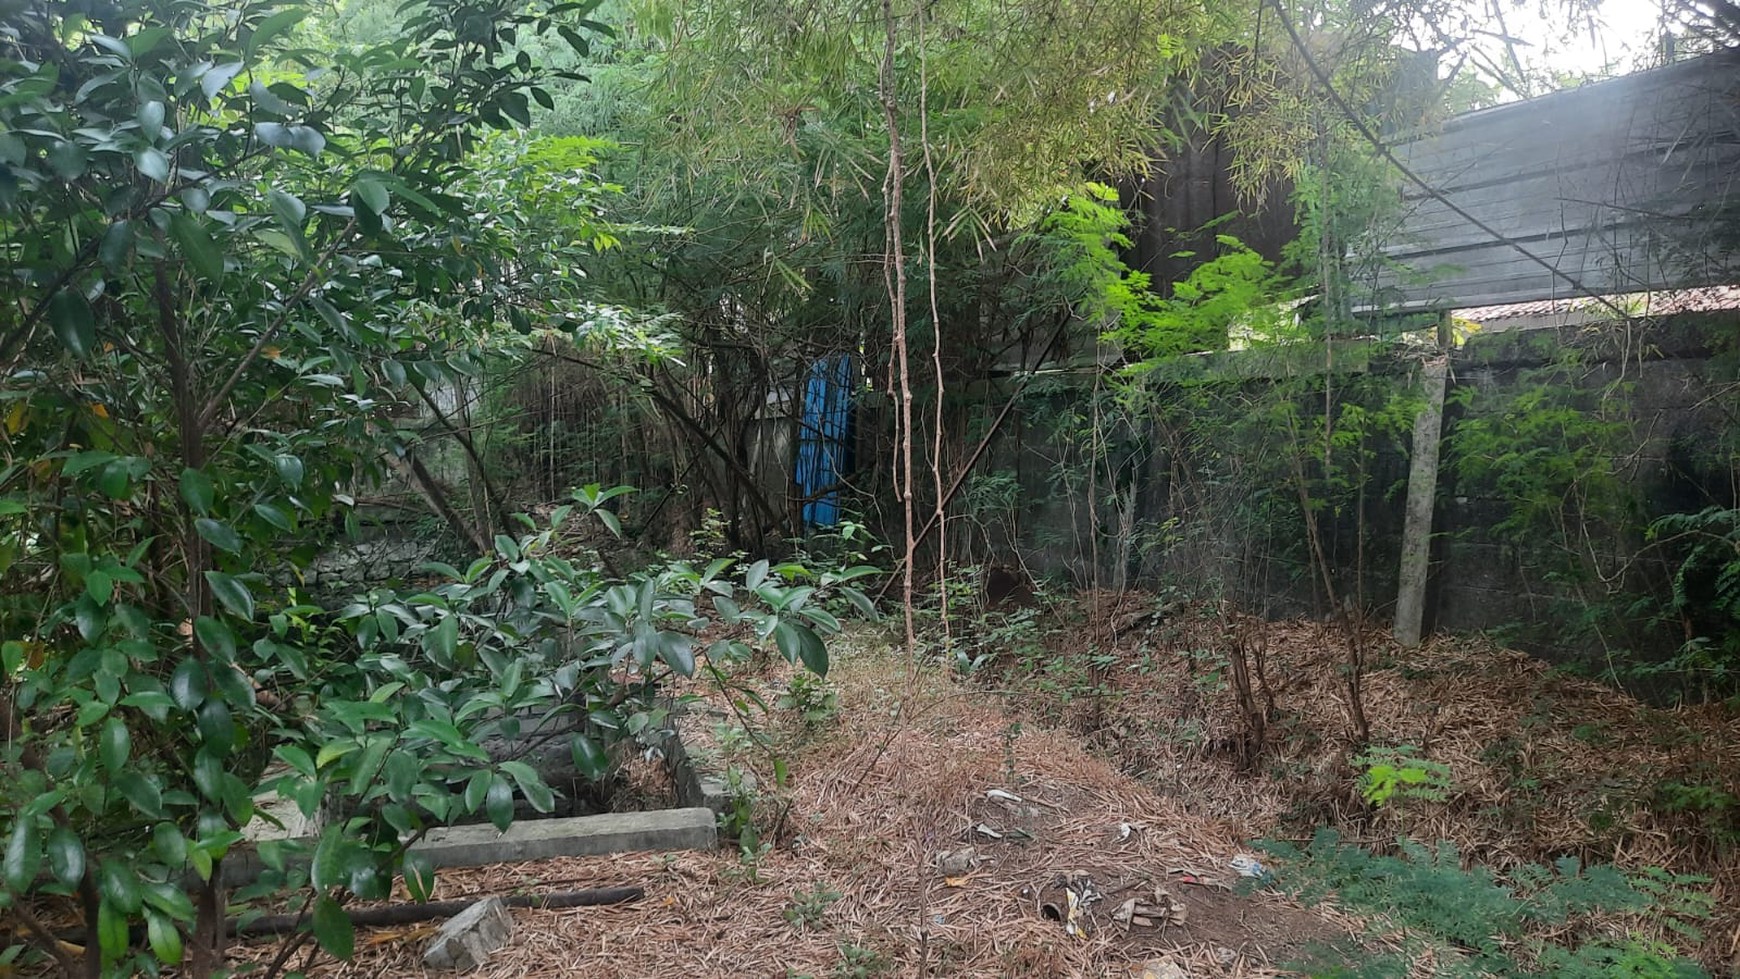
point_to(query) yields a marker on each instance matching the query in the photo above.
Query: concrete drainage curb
(479, 844)
(699, 779)
(576, 836)
(703, 793)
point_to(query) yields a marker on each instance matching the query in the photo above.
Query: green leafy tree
(235, 262)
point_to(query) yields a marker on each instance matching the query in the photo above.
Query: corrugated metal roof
(1666, 303)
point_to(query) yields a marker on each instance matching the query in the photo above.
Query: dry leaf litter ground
(873, 798)
(1542, 764)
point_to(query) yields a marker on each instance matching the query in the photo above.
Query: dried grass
(872, 800)
(1542, 764)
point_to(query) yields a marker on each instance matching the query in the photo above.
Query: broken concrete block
(467, 939)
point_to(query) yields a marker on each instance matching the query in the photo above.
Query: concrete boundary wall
(1481, 577)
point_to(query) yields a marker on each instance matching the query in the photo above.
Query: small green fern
(1476, 923)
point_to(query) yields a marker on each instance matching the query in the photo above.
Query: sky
(1624, 30)
(1618, 37)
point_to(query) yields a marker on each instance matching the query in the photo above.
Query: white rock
(1158, 969)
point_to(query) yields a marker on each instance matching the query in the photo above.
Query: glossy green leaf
(169, 843)
(116, 246)
(150, 119)
(531, 785)
(476, 790)
(187, 685)
(139, 790)
(232, 593)
(756, 574)
(73, 322)
(112, 938)
(215, 637)
(208, 773)
(197, 245)
(589, 757)
(862, 603)
(163, 936)
(444, 638)
(373, 195)
(100, 587)
(326, 867)
(272, 27)
(221, 536)
(67, 159)
(305, 139)
(419, 876)
(218, 78)
(268, 101)
(119, 884)
(115, 744)
(499, 803)
(217, 726)
(677, 651)
(274, 516)
(196, 491)
(289, 468)
(152, 162)
(66, 855)
(333, 928)
(115, 480)
(800, 643)
(23, 856)
(201, 862)
(289, 210)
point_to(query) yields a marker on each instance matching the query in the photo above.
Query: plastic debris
(1002, 796)
(1248, 866)
(986, 830)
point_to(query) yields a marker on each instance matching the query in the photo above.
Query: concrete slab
(532, 839)
(577, 836)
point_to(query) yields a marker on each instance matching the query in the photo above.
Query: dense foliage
(276, 267)
(240, 267)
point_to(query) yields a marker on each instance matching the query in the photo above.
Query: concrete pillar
(1422, 496)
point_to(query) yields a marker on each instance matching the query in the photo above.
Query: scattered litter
(1126, 830)
(1225, 957)
(1067, 899)
(1248, 866)
(1150, 912)
(1002, 796)
(1188, 875)
(986, 830)
(957, 863)
(955, 881)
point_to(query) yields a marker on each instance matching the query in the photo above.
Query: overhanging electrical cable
(1377, 142)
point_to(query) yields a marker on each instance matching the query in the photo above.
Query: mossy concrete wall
(1678, 413)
